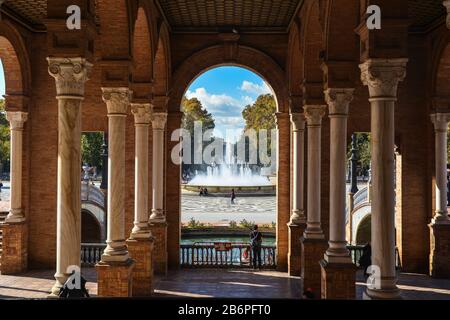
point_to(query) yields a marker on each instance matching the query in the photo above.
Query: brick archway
(241, 56)
(14, 56)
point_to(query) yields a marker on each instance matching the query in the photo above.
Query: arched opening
(228, 173)
(363, 234)
(90, 228)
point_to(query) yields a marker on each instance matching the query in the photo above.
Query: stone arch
(142, 70)
(91, 230)
(15, 60)
(162, 64)
(363, 233)
(246, 57)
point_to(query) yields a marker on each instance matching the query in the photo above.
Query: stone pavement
(221, 283)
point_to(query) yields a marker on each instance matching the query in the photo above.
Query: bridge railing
(91, 253)
(224, 255)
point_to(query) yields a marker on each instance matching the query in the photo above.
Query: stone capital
(16, 119)
(314, 114)
(338, 101)
(446, 4)
(142, 113)
(70, 75)
(382, 77)
(440, 121)
(298, 121)
(159, 120)
(117, 100)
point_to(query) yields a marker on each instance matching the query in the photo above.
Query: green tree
(363, 150)
(4, 136)
(261, 115)
(91, 149)
(194, 111)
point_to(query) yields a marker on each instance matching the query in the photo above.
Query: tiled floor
(219, 284)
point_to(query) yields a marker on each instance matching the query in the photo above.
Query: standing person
(366, 259)
(256, 242)
(1, 186)
(233, 196)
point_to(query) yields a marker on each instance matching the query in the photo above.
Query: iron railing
(224, 255)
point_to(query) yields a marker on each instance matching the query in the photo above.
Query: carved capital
(446, 4)
(70, 74)
(159, 120)
(16, 119)
(440, 121)
(142, 113)
(314, 114)
(382, 76)
(298, 121)
(117, 100)
(338, 101)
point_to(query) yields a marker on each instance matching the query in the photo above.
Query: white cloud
(214, 103)
(254, 88)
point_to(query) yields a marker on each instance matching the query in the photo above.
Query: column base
(115, 279)
(14, 258)
(338, 280)
(312, 252)
(159, 232)
(141, 251)
(382, 294)
(295, 248)
(440, 250)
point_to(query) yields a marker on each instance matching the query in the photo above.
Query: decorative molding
(16, 119)
(314, 114)
(440, 121)
(338, 100)
(159, 120)
(117, 100)
(382, 76)
(142, 113)
(298, 121)
(70, 74)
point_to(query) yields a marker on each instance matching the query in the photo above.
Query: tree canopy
(261, 114)
(91, 149)
(194, 111)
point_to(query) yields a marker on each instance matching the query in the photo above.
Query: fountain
(230, 174)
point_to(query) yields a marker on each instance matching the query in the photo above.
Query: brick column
(158, 222)
(283, 189)
(313, 240)
(70, 75)
(297, 224)
(337, 269)
(14, 242)
(440, 225)
(114, 271)
(382, 77)
(140, 243)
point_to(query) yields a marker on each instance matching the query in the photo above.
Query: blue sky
(224, 92)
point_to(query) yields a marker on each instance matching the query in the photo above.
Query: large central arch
(263, 65)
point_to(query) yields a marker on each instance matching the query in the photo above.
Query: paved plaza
(217, 209)
(197, 283)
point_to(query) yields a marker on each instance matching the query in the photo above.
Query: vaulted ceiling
(212, 15)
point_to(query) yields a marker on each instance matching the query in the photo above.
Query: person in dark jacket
(365, 261)
(256, 243)
(233, 196)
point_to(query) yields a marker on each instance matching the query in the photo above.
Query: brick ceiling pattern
(424, 12)
(33, 11)
(237, 13)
